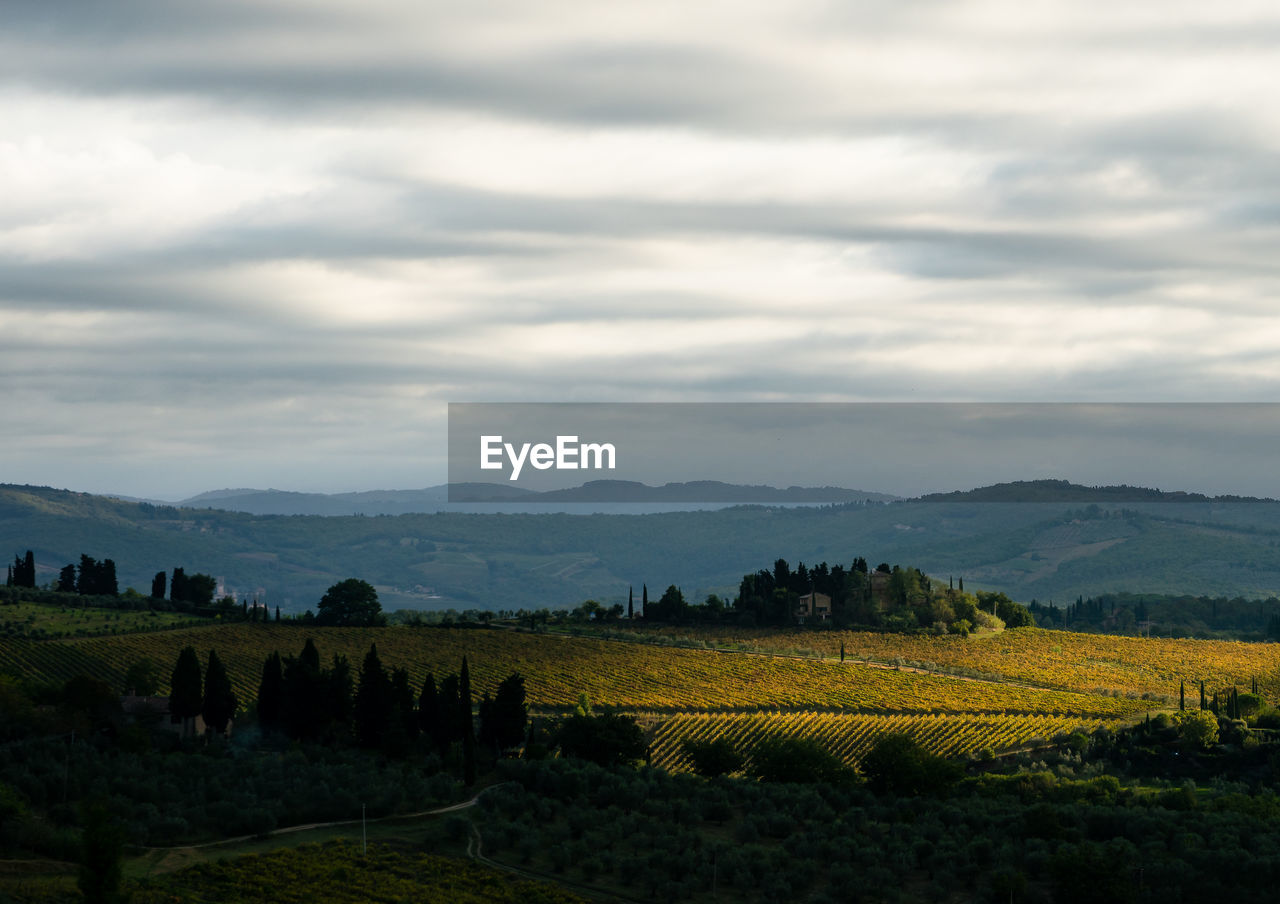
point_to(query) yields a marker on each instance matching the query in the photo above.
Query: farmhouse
(813, 605)
(153, 712)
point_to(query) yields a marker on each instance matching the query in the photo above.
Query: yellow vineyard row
(850, 735)
(557, 669)
(1054, 659)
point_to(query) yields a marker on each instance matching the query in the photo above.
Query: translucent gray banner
(836, 452)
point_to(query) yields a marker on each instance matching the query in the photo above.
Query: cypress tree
(305, 707)
(431, 716)
(310, 656)
(105, 583)
(29, 570)
(1202, 701)
(339, 697)
(631, 595)
(1182, 696)
(67, 579)
(842, 651)
(185, 695)
(503, 721)
(271, 695)
(450, 722)
(219, 699)
(277, 614)
(157, 586)
(86, 575)
(644, 599)
(373, 701)
(178, 586)
(403, 696)
(468, 730)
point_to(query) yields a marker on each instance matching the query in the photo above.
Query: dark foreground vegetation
(1181, 807)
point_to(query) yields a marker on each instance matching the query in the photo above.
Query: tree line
(894, 598)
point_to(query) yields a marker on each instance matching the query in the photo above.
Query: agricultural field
(40, 620)
(1083, 663)
(557, 669)
(850, 735)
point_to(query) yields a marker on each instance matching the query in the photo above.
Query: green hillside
(508, 561)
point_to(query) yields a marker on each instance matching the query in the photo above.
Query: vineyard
(557, 669)
(850, 735)
(1084, 663)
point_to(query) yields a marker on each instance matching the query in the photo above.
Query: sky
(266, 244)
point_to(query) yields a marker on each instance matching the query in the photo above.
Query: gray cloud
(289, 233)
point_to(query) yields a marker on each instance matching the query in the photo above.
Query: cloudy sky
(265, 244)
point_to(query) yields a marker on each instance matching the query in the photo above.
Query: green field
(40, 620)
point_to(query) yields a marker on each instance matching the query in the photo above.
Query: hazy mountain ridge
(1042, 550)
(483, 498)
(1050, 490)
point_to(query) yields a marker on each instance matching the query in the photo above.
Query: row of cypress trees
(212, 698)
(300, 699)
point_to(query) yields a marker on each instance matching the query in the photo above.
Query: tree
(200, 589)
(271, 695)
(106, 584)
(631, 609)
(431, 715)
(88, 575)
(670, 607)
(185, 696)
(712, 758)
(373, 701)
(468, 729)
(178, 586)
(897, 764)
(607, 739)
(403, 729)
(796, 760)
(503, 720)
(337, 700)
(304, 703)
(195, 589)
(67, 579)
(157, 586)
(219, 699)
(23, 572)
(350, 603)
(142, 678)
(1198, 729)
(100, 845)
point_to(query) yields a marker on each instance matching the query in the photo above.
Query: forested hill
(1046, 551)
(1065, 491)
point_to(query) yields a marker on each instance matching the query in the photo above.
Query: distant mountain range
(631, 497)
(604, 496)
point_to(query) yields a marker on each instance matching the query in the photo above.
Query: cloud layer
(256, 245)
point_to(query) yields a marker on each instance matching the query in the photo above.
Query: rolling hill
(1042, 550)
